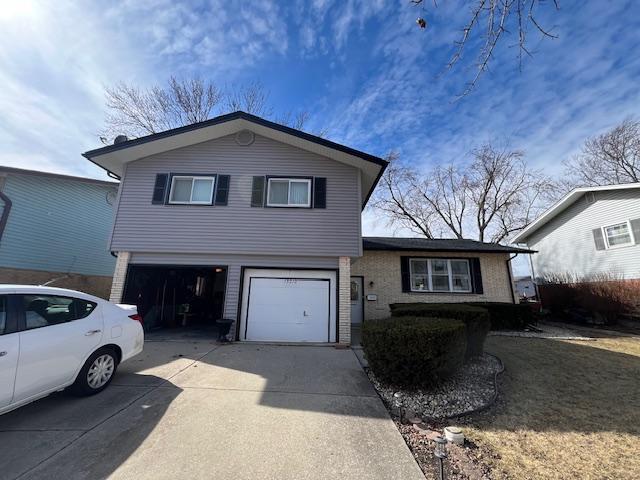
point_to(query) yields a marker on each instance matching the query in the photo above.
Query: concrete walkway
(197, 410)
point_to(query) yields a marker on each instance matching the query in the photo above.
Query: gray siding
(234, 264)
(238, 228)
(57, 225)
(566, 245)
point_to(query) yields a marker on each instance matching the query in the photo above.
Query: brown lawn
(567, 409)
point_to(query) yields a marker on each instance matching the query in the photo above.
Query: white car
(53, 338)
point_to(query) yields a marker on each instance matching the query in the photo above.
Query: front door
(356, 300)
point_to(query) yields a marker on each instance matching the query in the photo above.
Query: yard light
(441, 453)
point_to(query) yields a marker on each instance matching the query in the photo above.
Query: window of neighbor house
(440, 275)
(186, 190)
(618, 235)
(289, 192)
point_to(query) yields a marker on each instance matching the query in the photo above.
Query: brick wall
(344, 300)
(92, 284)
(119, 276)
(383, 269)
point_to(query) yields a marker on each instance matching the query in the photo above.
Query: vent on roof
(120, 139)
(245, 137)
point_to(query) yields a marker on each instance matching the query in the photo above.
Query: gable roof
(38, 173)
(563, 204)
(113, 157)
(436, 245)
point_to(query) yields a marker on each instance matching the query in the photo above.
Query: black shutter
(635, 228)
(476, 275)
(257, 192)
(222, 190)
(319, 192)
(160, 188)
(405, 274)
(598, 238)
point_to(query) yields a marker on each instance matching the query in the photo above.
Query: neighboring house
(404, 270)
(241, 218)
(54, 227)
(525, 288)
(593, 232)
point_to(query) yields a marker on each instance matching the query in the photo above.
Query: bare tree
(251, 98)
(493, 21)
(489, 198)
(135, 111)
(610, 158)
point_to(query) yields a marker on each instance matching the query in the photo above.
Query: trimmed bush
(476, 320)
(502, 316)
(414, 352)
(507, 316)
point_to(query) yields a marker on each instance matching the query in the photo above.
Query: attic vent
(120, 139)
(591, 197)
(245, 137)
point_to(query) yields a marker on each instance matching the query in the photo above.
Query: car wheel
(97, 372)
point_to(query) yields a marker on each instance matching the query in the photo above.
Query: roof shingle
(437, 244)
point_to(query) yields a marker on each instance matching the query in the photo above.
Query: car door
(57, 334)
(9, 350)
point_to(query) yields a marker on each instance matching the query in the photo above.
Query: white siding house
(591, 232)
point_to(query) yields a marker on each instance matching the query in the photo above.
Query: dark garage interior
(176, 296)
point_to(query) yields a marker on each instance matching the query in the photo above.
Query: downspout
(5, 212)
(513, 296)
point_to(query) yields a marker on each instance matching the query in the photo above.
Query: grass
(566, 410)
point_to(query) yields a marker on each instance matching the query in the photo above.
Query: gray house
(54, 228)
(241, 218)
(590, 233)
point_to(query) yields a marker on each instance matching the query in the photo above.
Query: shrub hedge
(503, 316)
(414, 352)
(476, 320)
(508, 316)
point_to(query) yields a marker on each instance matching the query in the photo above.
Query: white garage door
(281, 307)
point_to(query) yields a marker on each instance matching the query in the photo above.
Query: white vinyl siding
(191, 190)
(566, 245)
(289, 192)
(440, 275)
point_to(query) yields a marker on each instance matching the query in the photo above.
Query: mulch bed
(466, 462)
(469, 390)
(422, 414)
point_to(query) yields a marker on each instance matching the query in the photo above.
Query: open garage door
(288, 306)
(176, 296)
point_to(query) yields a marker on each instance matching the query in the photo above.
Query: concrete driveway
(197, 410)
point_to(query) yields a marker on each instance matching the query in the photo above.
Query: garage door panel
(288, 309)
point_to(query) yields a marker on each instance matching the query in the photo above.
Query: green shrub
(414, 352)
(476, 320)
(508, 316)
(502, 316)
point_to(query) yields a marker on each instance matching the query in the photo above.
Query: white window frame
(192, 178)
(289, 204)
(429, 275)
(632, 240)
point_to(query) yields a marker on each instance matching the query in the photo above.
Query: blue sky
(364, 71)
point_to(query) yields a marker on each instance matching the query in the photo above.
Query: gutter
(511, 289)
(5, 212)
